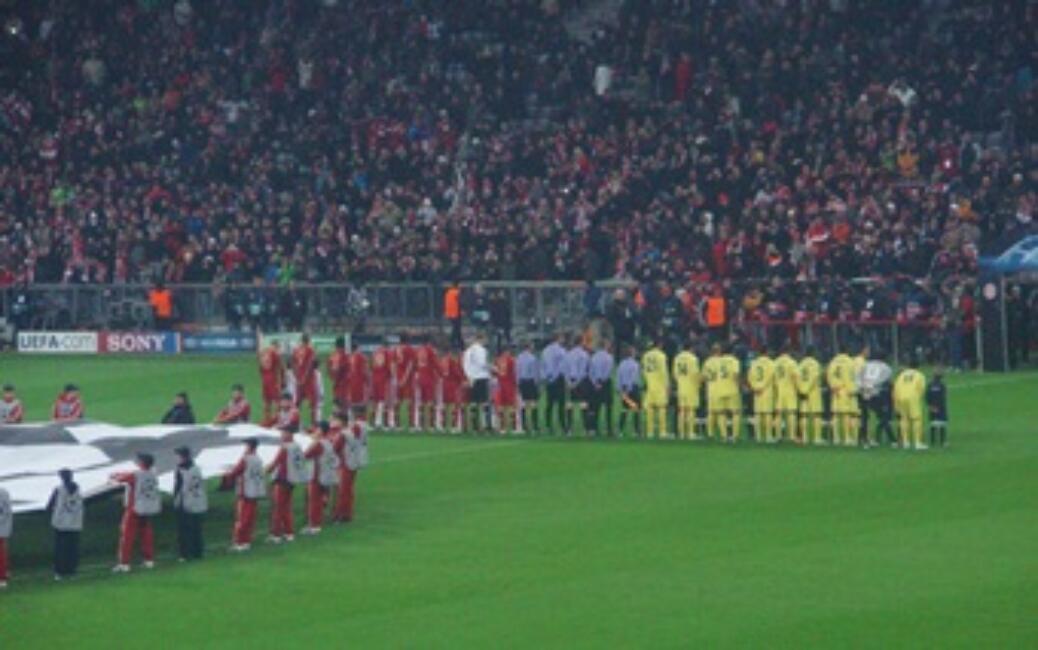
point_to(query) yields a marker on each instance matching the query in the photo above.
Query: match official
(552, 359)
(628, 385)
(601, 375)
(528, 373)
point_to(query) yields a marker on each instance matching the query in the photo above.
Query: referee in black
(552, 367)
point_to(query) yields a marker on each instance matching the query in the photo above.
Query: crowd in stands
(694, 143)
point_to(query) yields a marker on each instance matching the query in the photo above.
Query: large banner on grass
(58, 342)
(31, 454)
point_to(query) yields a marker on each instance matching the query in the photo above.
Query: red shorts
(356, 393)
(426, 393)
(453, 394)
(507, 395)
(271, 389)
(307, 391)
(342, 392)
(405, 392)
(379, 392)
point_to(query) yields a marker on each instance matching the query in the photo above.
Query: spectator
(452, 312)
(161, 300)
(840, 147)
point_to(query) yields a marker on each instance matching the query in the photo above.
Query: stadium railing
(534, 307)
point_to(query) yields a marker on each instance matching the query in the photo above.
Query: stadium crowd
(359, 141)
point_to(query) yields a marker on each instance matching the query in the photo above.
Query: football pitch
(509, 542)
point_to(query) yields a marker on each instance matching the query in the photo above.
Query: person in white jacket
(476, 366)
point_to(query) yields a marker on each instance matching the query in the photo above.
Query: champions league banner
(32, 454)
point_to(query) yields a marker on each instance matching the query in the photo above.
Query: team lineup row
(779, 396)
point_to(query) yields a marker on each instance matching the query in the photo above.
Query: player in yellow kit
(838, 376)
(809, 388)
(731, 401)
(786, 371)
(686, 384)
(657, 388)
(857, 365)
(909, 390)
(761, 378)
(710, 375)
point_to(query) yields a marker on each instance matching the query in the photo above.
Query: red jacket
(67, 408)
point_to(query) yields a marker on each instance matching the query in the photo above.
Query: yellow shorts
(811, 404)
(726, 403)
(841, 404)
(853, 407)
(910, 408)
(655, 398)
(786, 402)
(764, 403)
(688, 399)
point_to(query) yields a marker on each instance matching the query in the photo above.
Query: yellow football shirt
(654, 367)
(728, 375)
(809, 377)
(686, 374)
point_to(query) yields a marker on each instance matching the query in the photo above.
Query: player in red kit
(304, 367)
(404, 372)
(141, 503)
(237, 409)
(507, 397)
(339, 373)
(248, 481)
(287, 415)
(381, 375)
(68, 406)
(272, 378)
(358, 378)
(452, 392)
(427, 383)
(325, 476)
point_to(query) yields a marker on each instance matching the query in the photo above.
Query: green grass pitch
(481, 542)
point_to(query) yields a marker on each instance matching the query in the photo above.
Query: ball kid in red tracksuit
(68, 406)
(354, 456)
(287, 415)
(288, 469)
(338, 439)
(250, 486)
(325, 476)
(142, 502)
